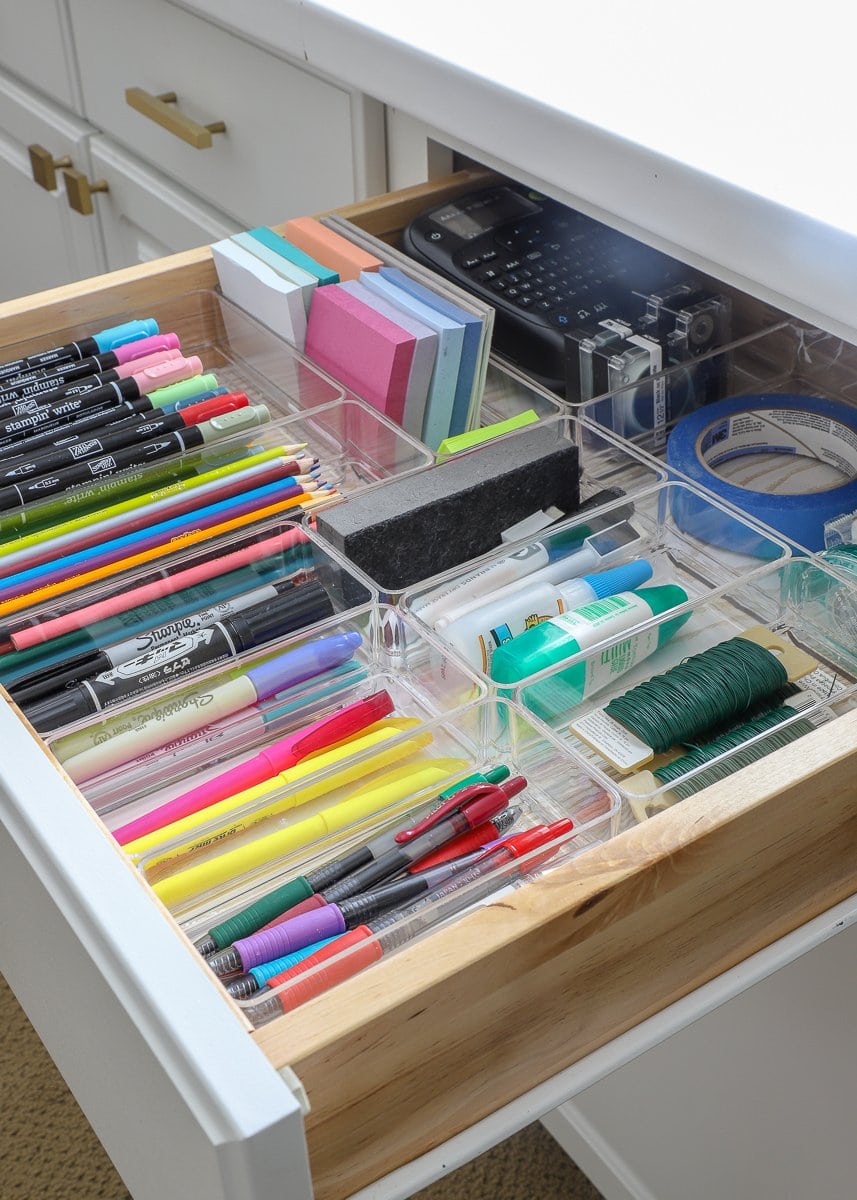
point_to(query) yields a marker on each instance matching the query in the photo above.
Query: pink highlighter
(269, 762)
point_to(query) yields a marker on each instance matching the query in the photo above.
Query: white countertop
(723, 134)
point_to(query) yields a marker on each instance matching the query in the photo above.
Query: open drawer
(188, 1099)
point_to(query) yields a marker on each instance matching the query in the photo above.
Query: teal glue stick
(563, 636)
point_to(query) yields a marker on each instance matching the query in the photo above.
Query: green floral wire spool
(739, 757)
(707, 690)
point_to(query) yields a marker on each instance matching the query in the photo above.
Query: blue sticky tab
(120, 335)
(280, 246)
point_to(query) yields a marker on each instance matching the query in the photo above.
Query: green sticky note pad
(466, 441)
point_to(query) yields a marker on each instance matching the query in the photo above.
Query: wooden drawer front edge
(399, 1059)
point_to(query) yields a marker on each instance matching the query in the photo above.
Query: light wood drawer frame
(399, 1059)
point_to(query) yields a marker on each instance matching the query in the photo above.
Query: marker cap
(234, 422)
(620, 579)
(164, 397)
(147, 345)
(304, 662)
(214, 406)
(137, 365)
(163, 374)
(118, 335)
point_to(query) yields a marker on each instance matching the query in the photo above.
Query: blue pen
(142, 539)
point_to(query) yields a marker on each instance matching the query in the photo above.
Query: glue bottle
(482, 629)
(566, 635)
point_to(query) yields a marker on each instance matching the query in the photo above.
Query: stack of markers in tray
(116, 452)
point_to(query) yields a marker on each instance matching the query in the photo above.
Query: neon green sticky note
(466, 441)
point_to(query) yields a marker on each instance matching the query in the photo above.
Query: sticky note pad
(280, 246)
(279, 265)
(330, 248)
(425, 352)
(253, 286)
(408, 529)
(361, 348)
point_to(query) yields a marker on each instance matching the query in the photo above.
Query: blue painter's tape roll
(809, 427)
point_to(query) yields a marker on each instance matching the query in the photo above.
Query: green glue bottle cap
(553, 642)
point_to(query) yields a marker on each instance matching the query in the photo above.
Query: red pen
(368, 943)
(474, 839)
(289, 750)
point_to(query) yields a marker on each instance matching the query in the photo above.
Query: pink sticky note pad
(330, 248)
(365, 351)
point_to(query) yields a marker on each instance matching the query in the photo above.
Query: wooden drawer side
(405, 1056)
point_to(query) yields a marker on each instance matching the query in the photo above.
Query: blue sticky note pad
(279, 244)
(441, 397)
(470, 349)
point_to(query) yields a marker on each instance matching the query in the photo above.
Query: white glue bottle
(477, 633)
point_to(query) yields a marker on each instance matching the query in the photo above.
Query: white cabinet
(36, 46)
(43, 243)
(145, 215)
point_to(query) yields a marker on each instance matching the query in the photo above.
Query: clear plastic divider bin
(788, 359)
(805, 617)
(473, 742)
(687, 539)
(355, 444)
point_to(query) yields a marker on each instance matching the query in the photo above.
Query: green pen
(296, 891)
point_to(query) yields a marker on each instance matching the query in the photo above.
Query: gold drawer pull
(79, 191)
(157, 109)
(44, 166)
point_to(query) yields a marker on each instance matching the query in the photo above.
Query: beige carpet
(49, 1152)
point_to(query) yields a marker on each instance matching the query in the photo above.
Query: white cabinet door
(144, 214)
(42, 242)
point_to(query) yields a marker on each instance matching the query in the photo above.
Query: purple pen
(173, 717)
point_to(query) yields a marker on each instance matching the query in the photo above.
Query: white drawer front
(288, 147)
(36, 45)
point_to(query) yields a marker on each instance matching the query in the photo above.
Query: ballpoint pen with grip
(265, 765)
(369, 942)
(303, 894)
(345, 908)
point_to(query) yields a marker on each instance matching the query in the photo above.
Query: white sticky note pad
(252, 285)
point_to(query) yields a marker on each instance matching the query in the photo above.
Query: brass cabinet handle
(157, 109)
(79, 191)
(44, 166)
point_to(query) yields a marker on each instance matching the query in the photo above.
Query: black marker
(66, 452)
(33, 490)
(96, 343)
(38, 382)
(174, 661)
(17, 428)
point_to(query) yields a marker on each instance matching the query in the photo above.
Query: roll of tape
(813, 429)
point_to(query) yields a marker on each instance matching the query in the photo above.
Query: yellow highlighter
(402, 784)
(234, 810)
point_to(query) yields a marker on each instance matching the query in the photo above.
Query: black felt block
(411, 528)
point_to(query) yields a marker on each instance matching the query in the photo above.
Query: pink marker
(149, 345)
(269, 762)
(165, 585)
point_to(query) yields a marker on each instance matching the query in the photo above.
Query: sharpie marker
(172, 663)
(366, 944)
(71, 449)
(97, 343)
(223, 739)
(149, 450)
(155, 725)
(35, 383)
(110, 395)
(60, 675)
(269, 762)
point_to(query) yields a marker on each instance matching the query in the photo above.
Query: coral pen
(263, 766)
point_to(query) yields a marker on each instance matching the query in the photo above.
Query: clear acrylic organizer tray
(682, 532)
(558, 786)
(809, 609)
